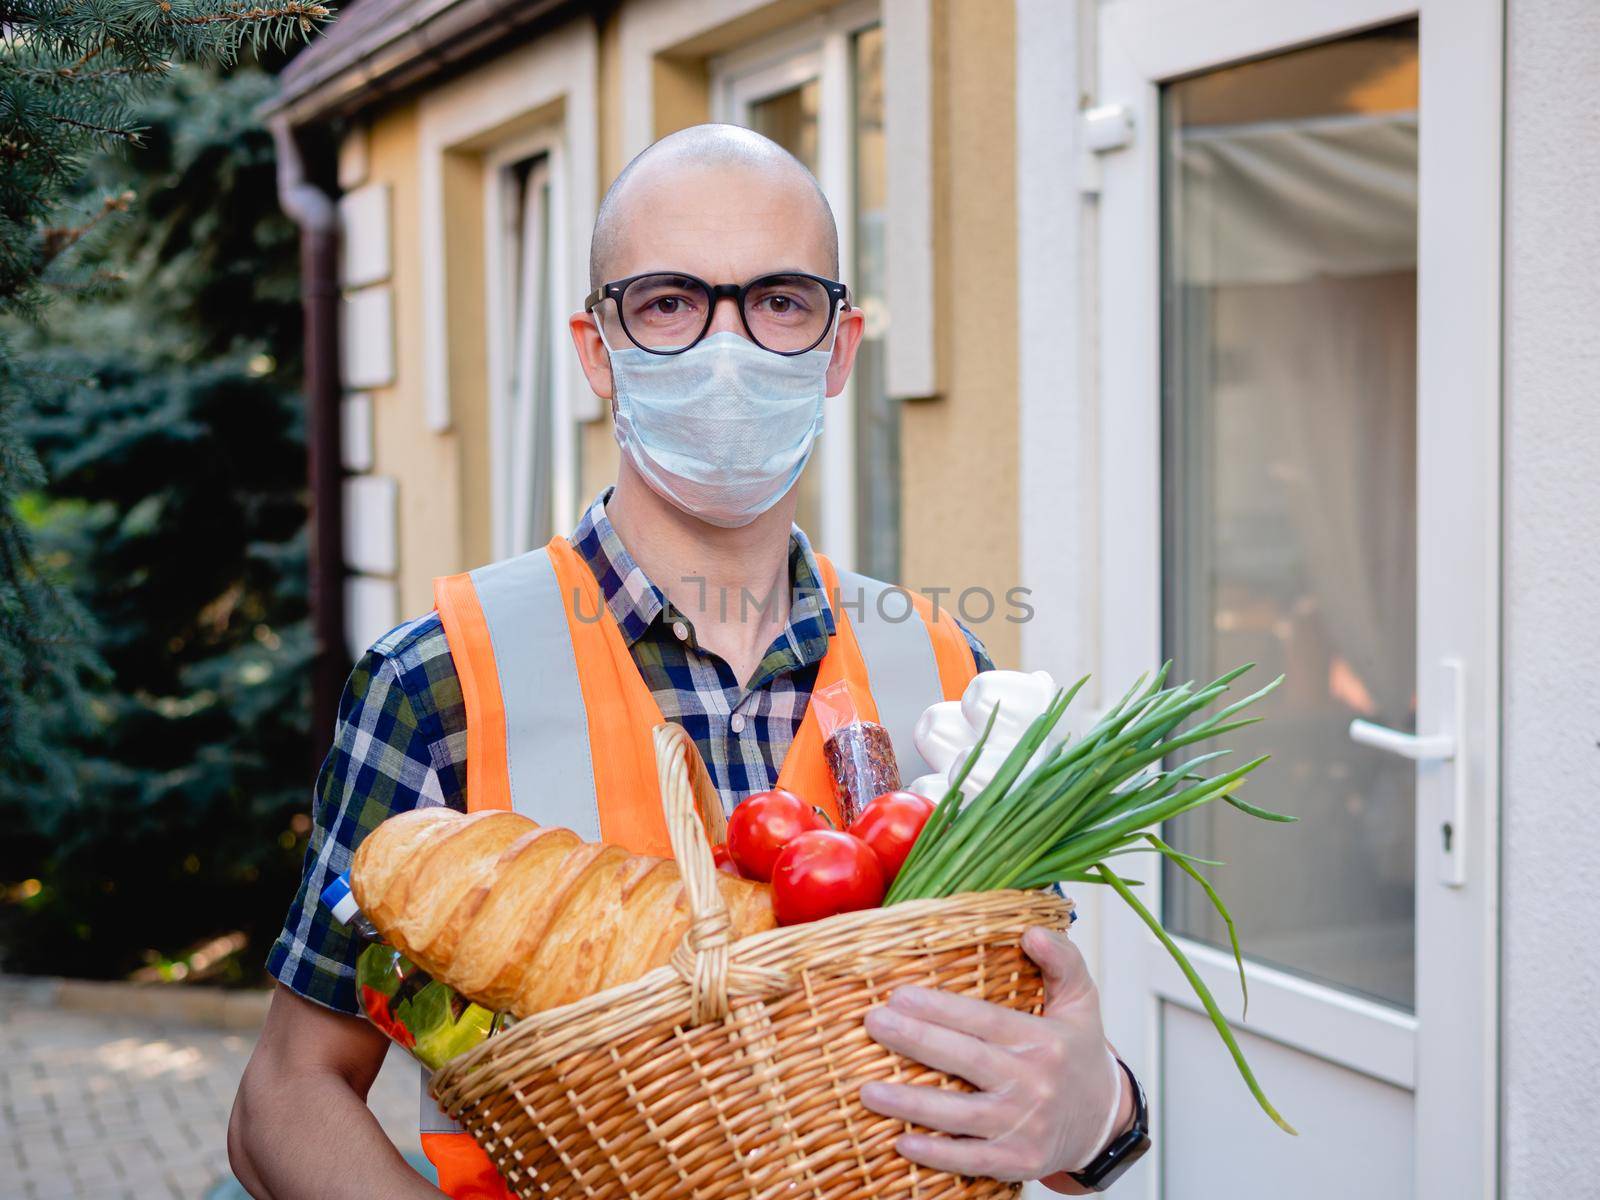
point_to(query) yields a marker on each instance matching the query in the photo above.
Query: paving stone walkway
(103, 1106)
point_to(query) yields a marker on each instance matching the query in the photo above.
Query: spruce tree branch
(87, 287)
(59, 239)
(304, 12)
(126, 135)
(72, 75)
(84, 60)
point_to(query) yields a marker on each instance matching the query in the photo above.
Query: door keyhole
(1448, 830)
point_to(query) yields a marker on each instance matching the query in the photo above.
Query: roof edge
(425, 38)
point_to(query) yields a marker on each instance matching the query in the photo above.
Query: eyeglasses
(667, 312)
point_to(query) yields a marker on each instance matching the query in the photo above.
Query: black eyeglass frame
(838, 293)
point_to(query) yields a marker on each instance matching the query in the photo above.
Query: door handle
(1435, 750)
(1438, 747)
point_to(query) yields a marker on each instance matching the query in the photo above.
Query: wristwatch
(1124, 1150)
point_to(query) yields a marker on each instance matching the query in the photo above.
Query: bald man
(715, 327)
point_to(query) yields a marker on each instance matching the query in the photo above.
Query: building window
(877, 415)
(817, 90)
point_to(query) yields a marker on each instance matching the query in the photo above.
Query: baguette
(522, 917)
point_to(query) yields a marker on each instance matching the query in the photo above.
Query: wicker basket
(734, 1072)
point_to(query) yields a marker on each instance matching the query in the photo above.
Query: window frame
(816, 48)
(506, 469)
(552, 81)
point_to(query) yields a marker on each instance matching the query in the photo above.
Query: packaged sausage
(859, 754)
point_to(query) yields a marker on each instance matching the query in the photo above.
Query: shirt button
(737, 723)
(681, 630)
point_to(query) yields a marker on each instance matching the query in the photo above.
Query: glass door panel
(1289, 508)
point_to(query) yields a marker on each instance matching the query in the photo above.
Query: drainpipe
(315, 212)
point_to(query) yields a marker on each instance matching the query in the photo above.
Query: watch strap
(1125, 1149)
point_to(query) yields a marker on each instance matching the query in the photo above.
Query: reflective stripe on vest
(559, 721)
(549, 767)
(547, 733)
(900, 661)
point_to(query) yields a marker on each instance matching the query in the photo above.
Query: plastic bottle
(430, 1020)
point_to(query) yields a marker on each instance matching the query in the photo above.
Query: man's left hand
(1045, 1083)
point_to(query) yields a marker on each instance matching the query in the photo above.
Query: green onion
(1085, 801)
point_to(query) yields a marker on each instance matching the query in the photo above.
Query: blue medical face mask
(722, 430)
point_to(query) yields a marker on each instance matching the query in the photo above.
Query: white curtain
(1298, 240)
(1293, 371)
(1283, 201)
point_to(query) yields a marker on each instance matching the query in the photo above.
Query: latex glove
(1050, 1097)
(1020, 695)
(942, 734)
(946, 732)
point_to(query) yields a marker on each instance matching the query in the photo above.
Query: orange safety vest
(491, 620)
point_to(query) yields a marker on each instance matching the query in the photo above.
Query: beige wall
(426, 464)
(959, 450)
(467, 298)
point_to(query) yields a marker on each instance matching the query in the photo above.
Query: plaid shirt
(401, 737)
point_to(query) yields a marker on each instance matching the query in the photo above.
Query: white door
(1299, 438)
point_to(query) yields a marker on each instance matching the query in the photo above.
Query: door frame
(1453, 1066)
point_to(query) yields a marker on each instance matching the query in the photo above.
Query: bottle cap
(338, 898)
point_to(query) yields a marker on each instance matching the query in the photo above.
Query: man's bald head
(681, 165)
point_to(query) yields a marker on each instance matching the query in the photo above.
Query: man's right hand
(300, 1127)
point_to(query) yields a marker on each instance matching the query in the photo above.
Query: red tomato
(890, 825)
(762, 825)
(724, 860)
(823, 872)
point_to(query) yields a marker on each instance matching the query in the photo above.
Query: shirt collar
(636, 604)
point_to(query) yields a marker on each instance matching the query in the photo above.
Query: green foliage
(153, 643)
(71, 75)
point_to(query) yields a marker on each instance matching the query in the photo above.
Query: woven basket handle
(702, 957)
